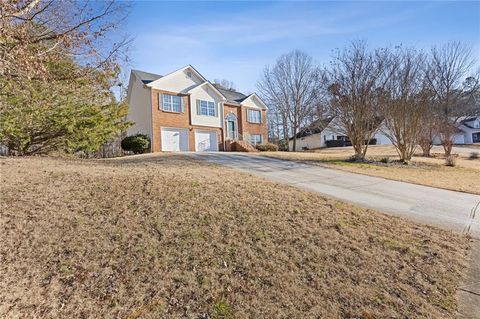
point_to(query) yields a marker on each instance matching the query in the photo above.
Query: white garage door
(174, 139)
(206, 141)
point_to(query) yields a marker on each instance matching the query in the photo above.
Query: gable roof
(211, 86)
(316, 127)
(255, 96)
(201, 77)
(146, 77)
(467, 120)
(230, 96)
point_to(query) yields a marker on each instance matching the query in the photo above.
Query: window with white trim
(254, 116)
(255, 139)
(171, 103)
(206, 108)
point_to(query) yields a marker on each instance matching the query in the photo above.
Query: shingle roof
(232, 95)
(315, 127)
(465, 121)
(146, 77)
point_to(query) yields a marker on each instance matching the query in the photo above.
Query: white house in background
(468, 132)
(314, 136)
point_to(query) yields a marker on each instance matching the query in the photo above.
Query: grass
(424, 171)
(166, 237)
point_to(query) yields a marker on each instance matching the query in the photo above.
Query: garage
(206, 141)
(174, 139)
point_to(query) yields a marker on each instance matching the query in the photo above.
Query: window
(256, 139)
(171, 103)
(476, 137)
(254, 116)
(206, 108)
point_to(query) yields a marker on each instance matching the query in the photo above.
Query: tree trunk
(447, 143)
(285, 135)
(359, 154)
(447, 147)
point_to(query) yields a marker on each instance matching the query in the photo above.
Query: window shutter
(198, 107)
(182, 103)
(160, 100)
(215, 109)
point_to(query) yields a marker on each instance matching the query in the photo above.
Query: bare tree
(404, 107)
(447, 71)
(224, 84)
(428, 130)
(355, 83)
(291, 87)
(31, 31)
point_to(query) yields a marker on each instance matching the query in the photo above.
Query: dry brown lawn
(431, 171)
(166, 237)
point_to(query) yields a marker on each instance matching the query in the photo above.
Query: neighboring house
(468, 132)
(318, 133)
(183, 111)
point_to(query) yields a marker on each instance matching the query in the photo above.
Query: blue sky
(235, 40)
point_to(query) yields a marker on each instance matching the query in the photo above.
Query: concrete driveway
(459, 212)
(446, 209)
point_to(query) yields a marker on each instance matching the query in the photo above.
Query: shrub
(267, 147)
(137, 144)
(474, 155)
(451, 161)
(373, 141)
(283, 145)
(335, 143)
(385, 160)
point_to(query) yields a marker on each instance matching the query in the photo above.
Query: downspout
(151, 119)
(222, 120)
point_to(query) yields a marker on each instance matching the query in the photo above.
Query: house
(319, 132)
(183, 111)
(468, 132)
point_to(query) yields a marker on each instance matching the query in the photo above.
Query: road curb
(469, 294)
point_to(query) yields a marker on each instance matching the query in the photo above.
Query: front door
(232, 130)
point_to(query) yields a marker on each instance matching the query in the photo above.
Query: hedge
(137, 144)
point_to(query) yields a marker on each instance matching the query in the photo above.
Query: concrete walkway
(459, 212)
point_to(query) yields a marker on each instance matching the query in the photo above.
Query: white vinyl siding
(254, 116)
(256, 139)
(206, 108)
(171, 103)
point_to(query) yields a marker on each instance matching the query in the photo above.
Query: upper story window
(171, 103)
(206, 108)
(254, 116)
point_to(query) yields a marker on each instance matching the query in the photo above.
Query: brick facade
(255, 128)
(162, 118)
